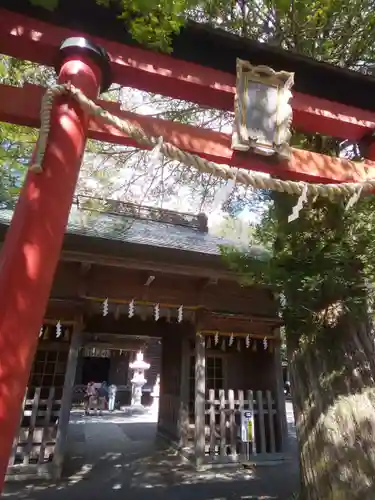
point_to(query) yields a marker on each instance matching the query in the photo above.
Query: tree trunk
(333, 389)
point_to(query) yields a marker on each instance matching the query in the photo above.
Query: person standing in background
(112, 389)
(90, 397)
(102, 396)
(287, 388)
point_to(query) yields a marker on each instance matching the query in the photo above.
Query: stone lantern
(139, 366)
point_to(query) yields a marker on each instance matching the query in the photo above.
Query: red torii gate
(32, 247)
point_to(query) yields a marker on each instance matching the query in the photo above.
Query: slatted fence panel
(223, 419)
(36, 437)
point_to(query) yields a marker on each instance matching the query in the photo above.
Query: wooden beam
(47, 345)
(242, 335)
(66, 401)
(22, 106)
(210, 323)
(84, 271)
(37, 41)
(280, 396)
(115, 345)
(117, 312)
(169, 290)
(183, 416)
(147, 265)
(200, 397)
(206, 282)
(142, 304)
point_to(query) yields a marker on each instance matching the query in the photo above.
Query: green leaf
(46, 4)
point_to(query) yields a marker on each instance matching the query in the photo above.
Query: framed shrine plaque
(263, 115)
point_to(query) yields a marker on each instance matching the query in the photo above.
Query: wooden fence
(223, 424)
(35, 440)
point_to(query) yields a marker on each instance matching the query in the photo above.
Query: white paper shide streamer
(105, 307)
(131, 309)
(224, 193)
(58, 329)
(297, 208)
(157, 312)
(354, 198)
(180, 314)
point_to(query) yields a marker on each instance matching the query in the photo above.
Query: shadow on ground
(142, 467)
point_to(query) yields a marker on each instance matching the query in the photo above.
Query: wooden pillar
(66, 402)
(280, 396)
(184, 392)
(200, 395)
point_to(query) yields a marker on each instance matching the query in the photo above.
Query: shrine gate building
(217, 343)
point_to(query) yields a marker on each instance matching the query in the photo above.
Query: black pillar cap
(77, 45)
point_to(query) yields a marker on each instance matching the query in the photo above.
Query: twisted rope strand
(244, 177)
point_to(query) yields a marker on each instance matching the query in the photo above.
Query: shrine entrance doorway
(103, 436)
(95, 368)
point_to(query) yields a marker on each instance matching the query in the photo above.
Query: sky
(183, 202)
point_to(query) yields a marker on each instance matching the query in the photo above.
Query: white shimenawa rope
(139, 135)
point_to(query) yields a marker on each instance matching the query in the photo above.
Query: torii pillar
(33, 243)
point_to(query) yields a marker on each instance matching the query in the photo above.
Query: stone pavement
(117, 456)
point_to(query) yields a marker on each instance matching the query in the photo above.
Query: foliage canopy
(151, 23)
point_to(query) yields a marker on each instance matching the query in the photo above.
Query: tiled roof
(142, 232)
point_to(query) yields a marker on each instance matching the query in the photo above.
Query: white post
(156, 396)
(139, 366)
(200, 395)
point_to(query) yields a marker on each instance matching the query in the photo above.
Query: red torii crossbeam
(37, 41)
(21, 106)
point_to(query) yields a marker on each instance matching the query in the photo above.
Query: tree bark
(333, 389)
